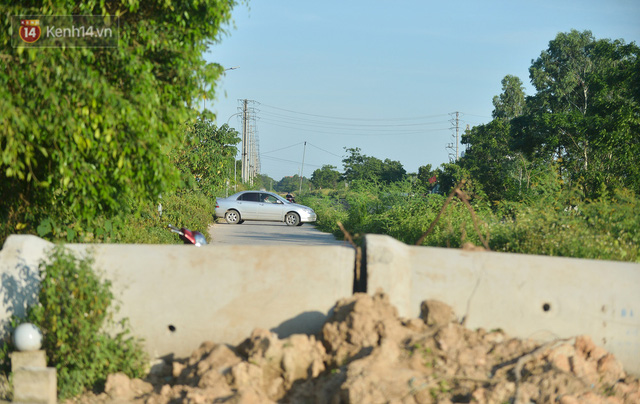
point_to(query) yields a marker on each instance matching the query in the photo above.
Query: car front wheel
(292, 219)
(232, 217)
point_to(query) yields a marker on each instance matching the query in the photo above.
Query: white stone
(27, 337)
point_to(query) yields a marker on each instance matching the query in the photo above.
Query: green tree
(354, 164)
(451, 174)
(325, 177)
(489, 159)
(205, 155)
(263, 181)
(427, 178)
(84, 130)
(586, 112)
(392, 171)
(358, 166)
(292, 184)
(510, 103)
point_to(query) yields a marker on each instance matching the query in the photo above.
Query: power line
(289, 161)
(389, 133)
(354, 119)
(325, 123)
(284, 148)
(333, 154)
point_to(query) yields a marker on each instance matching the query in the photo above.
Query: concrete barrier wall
(527, 296)
(177, 296)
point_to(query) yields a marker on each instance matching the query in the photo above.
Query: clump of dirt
(367, 354)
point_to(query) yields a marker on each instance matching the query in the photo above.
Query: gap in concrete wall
(360, 283)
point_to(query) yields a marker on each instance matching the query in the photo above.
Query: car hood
(297, 205)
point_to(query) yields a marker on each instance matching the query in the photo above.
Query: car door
(270, 207)
(247, 205)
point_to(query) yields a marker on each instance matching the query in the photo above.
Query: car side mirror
(279, 201)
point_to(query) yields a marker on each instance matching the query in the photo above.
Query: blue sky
(386, 76)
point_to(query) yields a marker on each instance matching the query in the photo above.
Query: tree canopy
(510, 103)
(586, 112)
(358, 166)
(85, 129)
(325, 177)
(584, 119)
(205, 156)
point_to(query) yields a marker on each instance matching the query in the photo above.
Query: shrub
(138, 222)
(74, 313)
(548, 221)
(607, 228)
(192, 210)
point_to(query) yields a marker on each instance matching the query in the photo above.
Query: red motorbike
(189, 237)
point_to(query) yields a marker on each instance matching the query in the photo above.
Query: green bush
(80, 337)
(192, 210)
(329, 209)
(607, 228)
(550, 220)
(138, 222)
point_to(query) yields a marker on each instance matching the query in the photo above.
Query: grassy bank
(556, 224)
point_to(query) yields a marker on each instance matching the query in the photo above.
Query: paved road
(269, 233)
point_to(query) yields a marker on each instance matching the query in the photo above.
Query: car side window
(250, 197)
(267, 198)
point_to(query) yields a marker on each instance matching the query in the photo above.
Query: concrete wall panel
(177, 296)
(527, 296)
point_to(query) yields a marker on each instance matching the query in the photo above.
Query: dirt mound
(367, 354)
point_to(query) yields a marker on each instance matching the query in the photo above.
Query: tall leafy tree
(86, 129)
(392, 171)
(292, 184)
(358, 166)
(325, 177)
(427, 178)
(510, 103)
(263, 181)
(489, 158)
(205, 156)
(585, 114)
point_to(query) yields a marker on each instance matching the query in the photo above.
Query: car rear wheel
(232, 217)
(292, 219)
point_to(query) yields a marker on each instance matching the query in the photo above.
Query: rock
(436, 313)
(610, 369)
(120, 387)
(358, 324)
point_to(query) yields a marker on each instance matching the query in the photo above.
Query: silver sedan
(261, 205)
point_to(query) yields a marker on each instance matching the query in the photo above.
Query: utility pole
(302, 169)
(454, 145)
(235, 180)
(245, 146)
(457, 142)
(250, 145)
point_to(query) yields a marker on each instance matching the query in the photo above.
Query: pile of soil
(367, 354)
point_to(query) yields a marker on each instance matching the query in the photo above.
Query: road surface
(269, 233)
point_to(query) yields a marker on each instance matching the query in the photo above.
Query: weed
(74, 312)
(547, 222)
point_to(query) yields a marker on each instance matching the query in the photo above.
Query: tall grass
(557, 224)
